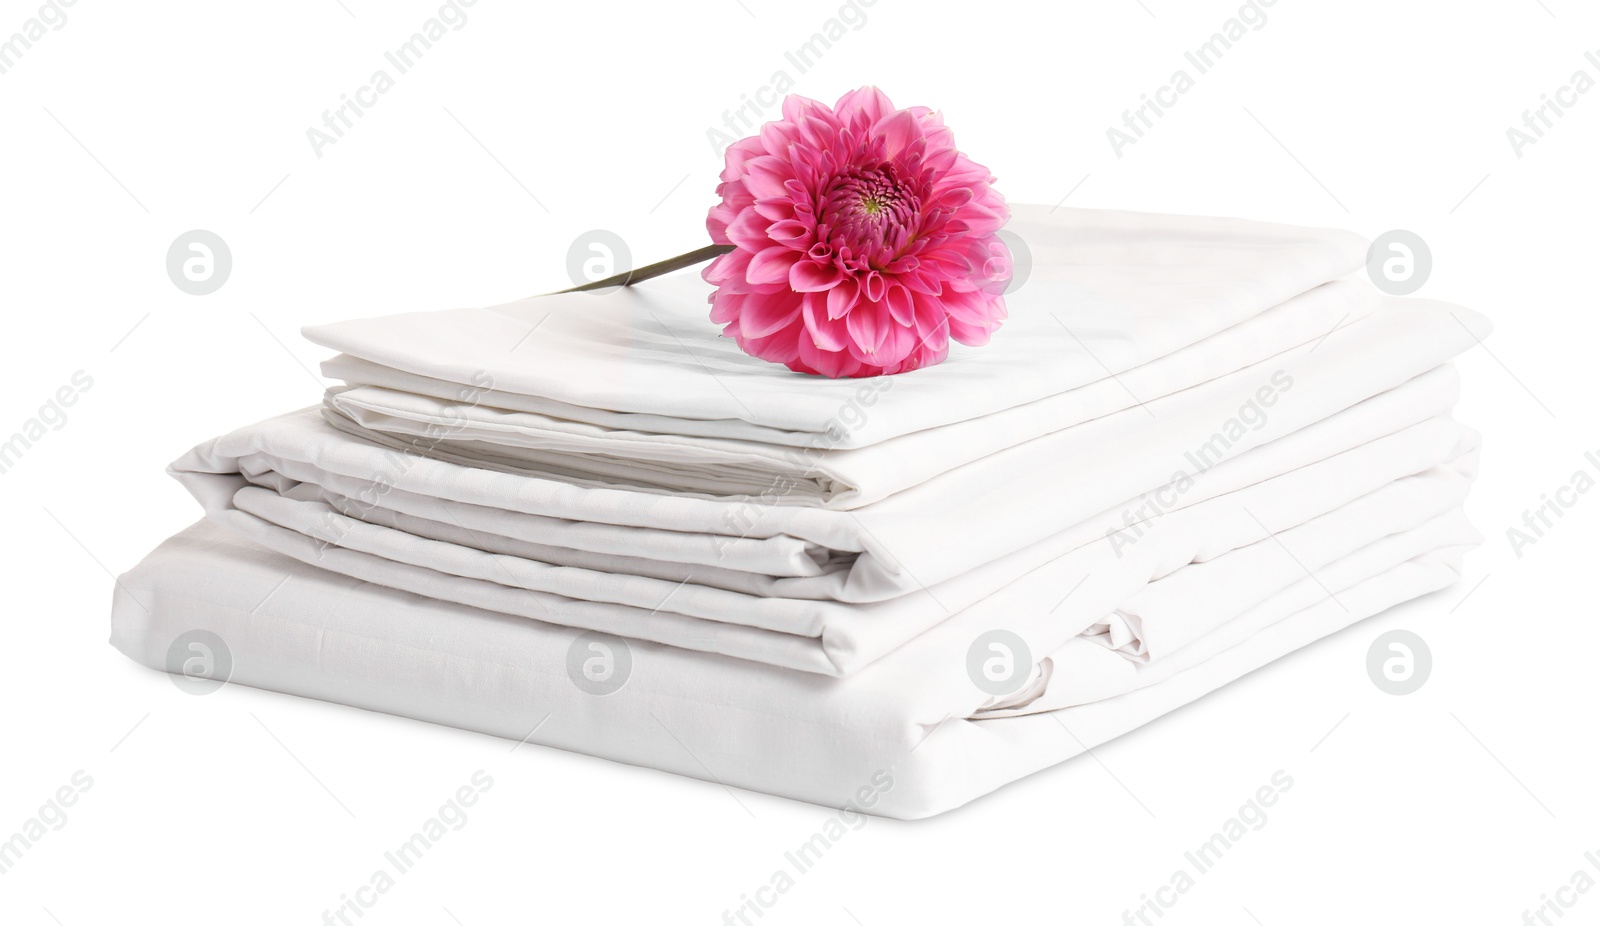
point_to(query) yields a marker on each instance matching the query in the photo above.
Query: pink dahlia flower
(863, 240)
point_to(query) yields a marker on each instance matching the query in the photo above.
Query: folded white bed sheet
(912, 729)
(1107, 292)
(1004, 501)
(463, 425)
(868, 580)
(1284, 483)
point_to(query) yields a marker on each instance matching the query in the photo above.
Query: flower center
(870, 210)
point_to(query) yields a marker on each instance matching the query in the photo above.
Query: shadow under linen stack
(1196, 445)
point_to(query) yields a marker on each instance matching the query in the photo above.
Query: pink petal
(920, 281)
(868, 101)
(765, 177)
(771, 265)
(955, 197)
(830, 363)
(797, 107)
(898, 299)
(970, 334)
(763, 314)
(737, 154)
(970, 307)
(809, 276)
(725, 307)
(872, 287)
(899, 130)
(775, 210)
(869, 324)
(825, 333)
(782, 346)
(730, 266)
(749, 231)
(842, 297)
(717, 222)
(776, 137)
(791, 233)
(898, 342)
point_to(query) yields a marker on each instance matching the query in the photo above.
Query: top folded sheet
(1107, 292)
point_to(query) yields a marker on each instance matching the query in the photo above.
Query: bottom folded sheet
(908, 737)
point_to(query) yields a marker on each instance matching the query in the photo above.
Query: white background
(465, 184)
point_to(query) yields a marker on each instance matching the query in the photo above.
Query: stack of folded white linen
(589, 521)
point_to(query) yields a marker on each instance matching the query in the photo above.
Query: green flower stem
(630, 277)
